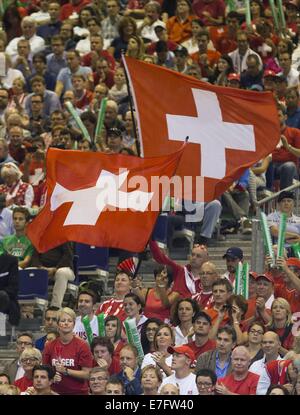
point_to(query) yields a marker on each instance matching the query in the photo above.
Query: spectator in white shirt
(37, 43)
(270, 347)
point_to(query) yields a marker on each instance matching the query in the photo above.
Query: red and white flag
(228, 129)
(110, 200)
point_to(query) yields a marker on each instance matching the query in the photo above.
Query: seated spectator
(67, 35)
(114, 386)
(83, 96)
(291, 74)
(289, 287)
(134, 309)
(148, 332)
(39, 62)
(97, 380)
(17, 94)
(284, 157)
(51, 27)
(136, 47)
(64, 78)
(150, 380)
(217, 310)
(182, 358)
(43, 379)
(29, 358)
(16, 191)
(23, 61)
(151, 20)
(85, 306)
(219, 359)
(255, 335)
(92, 57)
(285, 204)
(161, 34)
(281, 323)
(103, 353)
(83, 46)
(51, 101)
(181, 59)
(205, 58)
(201, 326)
(240, 381)
(114, 140)
(212, 13)
(191, 44)
(265, 297)
(179, 26)
(182, 319)
(208, 275)
(113, 329)
(270, 347)
(9, 288)
(161, 357)
(56, 60)
(109, 25)
(130, 374)
(163, 56)
(4, 379)
(206, 381)
(37, 44)
(127, 27)
(158, 300)
(59, 264)
(292, 108)
(10, 73)
(277, 390)
(169, 389)
(18, 244)
(226, 41)
(38, 122)
(223, 68)
(239, 56)
(253, 74)
(234, 80)
(119, 90)
(41, 16)
(103, 74)
(115, 305)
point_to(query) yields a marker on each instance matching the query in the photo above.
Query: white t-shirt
(187, 385)
(292, 223)
(148, 360)
(80, 331)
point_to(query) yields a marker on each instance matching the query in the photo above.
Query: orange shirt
(213, 314)
(179, 31)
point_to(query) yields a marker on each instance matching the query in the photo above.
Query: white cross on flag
(101, 199)
(228, 129)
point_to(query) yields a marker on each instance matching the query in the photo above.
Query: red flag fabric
(228, 129)
(101, 199)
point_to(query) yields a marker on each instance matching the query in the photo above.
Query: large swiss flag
(101, 199)
(228, 129)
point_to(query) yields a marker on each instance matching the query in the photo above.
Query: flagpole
(140, 254)
(137, 143)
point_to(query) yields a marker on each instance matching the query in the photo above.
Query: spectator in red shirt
(29, 358)
(240, 381)
(83, 97)
(290, 288)
(208, 275)
(103, 352)
(202, 343)
(212, 12)
(73, 6)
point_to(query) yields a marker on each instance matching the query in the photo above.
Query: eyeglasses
(19, 343)
(29, 359)
(256, 332)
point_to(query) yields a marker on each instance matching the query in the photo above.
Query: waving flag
(228, 129)
(110, 200)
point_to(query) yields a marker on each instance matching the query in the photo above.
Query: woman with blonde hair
(29, 358)
(151, 379)
(71, 357)
(16, 191)
(281, 323)
(17, 94)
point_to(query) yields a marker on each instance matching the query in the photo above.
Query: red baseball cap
(270, 73)
(186, 350)
(293, 262)
(267, 275)
(233, 77)
(253, 274)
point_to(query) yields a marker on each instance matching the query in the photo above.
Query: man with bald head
(270, 347)
(208, 275)
(240, 381)
(186, 278)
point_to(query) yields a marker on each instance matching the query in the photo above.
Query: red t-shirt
(23, 383)
(209, 345)
(292, 296)
(282, 155)
(68, 8)
(112, 307)
(203, 299)
(246, 386)
(74, 355)
(216, 9)
(155, 308)
(87, 59)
